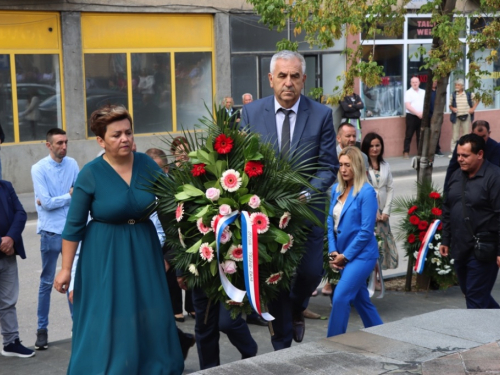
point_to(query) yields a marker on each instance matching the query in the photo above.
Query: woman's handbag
(486, 243)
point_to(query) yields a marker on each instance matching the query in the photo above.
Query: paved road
(60, 320)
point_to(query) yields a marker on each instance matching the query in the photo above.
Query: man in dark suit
(228, 113)
(12, 222)
(295, 123)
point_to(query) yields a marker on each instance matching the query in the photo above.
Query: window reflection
(105, 81)
(38, 95)
(385, 99)
(152, 92)
(6, 99)
(193, 87)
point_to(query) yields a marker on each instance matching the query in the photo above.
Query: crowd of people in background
(117, 268)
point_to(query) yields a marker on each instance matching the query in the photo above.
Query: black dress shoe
(179, 320)
(187, 341)
(258, 321)
(298, 326)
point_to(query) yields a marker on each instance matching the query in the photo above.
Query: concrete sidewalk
(400, 167)
(419, 328)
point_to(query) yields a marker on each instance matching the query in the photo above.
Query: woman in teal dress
(122, 316)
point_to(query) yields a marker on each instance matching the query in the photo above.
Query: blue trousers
(476, 280)
(352, 289)
(50, 248)
(308, 276)
(207, 335)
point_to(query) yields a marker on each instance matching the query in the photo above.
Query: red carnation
(423, 225)
(440, 226)
(253, 168)
(223, 144)
(412, 210)
(414, 219)
(421, 236)
(435, 195)
(411, 238)
(198, 170)
(436, 211)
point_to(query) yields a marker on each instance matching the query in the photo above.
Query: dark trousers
(207, 335)
(412, 126)
(476, 280)
(308, 276)
(176, 294)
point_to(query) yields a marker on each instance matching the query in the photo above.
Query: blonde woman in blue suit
(352, 245)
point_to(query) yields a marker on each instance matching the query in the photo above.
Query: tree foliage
(323, 22)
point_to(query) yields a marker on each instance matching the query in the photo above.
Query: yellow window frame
(125, 39)
(21, 36)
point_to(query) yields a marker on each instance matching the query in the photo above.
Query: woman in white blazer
(381, 179)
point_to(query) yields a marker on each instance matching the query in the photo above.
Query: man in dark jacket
(2, 139)
(352, 106)
(472, 206)
(491, 153)
(12, 222)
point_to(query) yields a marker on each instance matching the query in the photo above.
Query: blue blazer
(355, 232)
(313, 136)
(16, 216)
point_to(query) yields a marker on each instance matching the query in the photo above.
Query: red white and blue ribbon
(251, 264)
(221, 222)
(424, 247)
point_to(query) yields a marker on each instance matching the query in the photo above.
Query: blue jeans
(50, 248)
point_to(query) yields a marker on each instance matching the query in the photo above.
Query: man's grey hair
(288, 55)
(226, 98)
(459, 81)
(245, 94)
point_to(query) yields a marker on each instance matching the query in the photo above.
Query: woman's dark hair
(102, 117)
(365, 147)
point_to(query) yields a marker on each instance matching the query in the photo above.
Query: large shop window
(30, 75)
(162, 71)
(385, 99)
(252, 46)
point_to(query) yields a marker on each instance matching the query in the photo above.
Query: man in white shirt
(414, 105)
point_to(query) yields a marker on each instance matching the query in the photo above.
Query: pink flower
(288, 245)
(179, 212)
(229, 267)
(213, 194)
(230, 180)
(274, 278)
(260, 221)
(225, 236)
(254, 201)
(202, 227)
(225, 209)
(284, 220)
(235, 252)
(206, 252)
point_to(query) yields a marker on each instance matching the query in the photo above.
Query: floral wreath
(419, 212)
(233, 187)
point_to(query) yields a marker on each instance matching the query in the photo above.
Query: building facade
(165, 61)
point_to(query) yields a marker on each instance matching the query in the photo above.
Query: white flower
(437, 253)
(446, 266)
(437, 236)
(415, 254)
(431, 246)
(452, 261)
(192, 268)
(436, 261)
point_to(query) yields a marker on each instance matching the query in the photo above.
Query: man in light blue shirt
(53, 180)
